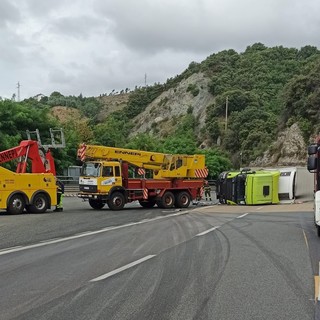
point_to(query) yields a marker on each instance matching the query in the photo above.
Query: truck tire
(147, 204)
(167, 200)
(16, 204)
(318, 231)
(182, 200)
(40, 204)
(116, 201)
(96, 204)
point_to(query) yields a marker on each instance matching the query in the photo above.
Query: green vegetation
(267, 90)
(193, 88)
(140, 98)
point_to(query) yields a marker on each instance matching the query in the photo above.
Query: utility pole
(226, 124)
(145, 79)
(18, 87)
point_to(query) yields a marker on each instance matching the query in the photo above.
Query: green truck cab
(248, 187)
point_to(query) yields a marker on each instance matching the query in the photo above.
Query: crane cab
(100, 176)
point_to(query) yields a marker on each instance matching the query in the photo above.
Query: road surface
(206, 262)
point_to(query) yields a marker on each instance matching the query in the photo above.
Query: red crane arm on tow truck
(30, 150)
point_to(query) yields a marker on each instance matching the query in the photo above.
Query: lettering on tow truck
(8, 155)
(9, 181)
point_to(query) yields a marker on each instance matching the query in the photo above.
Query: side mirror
(312, 163)
(312, 149)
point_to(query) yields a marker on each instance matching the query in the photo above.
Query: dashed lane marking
(207, 231)
(243, 215)
(127, 266)
(305, 239)
(316, 288)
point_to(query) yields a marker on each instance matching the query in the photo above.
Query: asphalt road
(207, 262)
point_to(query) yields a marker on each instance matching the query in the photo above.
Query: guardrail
(71, 184)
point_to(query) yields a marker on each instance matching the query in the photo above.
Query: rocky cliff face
(162, 114)
(289, 150)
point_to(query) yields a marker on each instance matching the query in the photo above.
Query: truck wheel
(318, 231)
(96, 204)
(116, 201)
(182, 200)
(167, 200)
(40, 204)
(16, 204)
(147, 204)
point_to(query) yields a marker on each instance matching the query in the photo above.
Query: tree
(113, 132)
(216, 162)
(144, 141)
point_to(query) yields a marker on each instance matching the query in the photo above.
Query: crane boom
(41, 160)
(11, 154)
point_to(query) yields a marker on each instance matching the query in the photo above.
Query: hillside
(271, 95)
(65, 114)
(268, 122)
(267, 119)
(112, 103)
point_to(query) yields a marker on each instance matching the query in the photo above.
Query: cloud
(199, 26)
(81, 27)
(8, 13)
(94, 46)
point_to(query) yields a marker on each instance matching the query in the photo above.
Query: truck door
(111, 175)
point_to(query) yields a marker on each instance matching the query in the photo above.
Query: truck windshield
(90, 170)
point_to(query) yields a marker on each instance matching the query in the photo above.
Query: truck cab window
(266, 190)
(107, 171)
(90, 170)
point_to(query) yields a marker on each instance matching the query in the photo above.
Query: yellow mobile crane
(106, 179)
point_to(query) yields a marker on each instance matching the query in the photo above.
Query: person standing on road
(207, 190)
(60, 194)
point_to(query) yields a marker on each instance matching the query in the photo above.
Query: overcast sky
(95, 46)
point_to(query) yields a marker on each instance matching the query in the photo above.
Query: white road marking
(84, 234)
(259, 208)
(242, 216)
(127, 266)
(10, 248)
(207, 231)
(305, 239)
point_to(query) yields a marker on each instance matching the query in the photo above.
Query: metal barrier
(71, 184)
